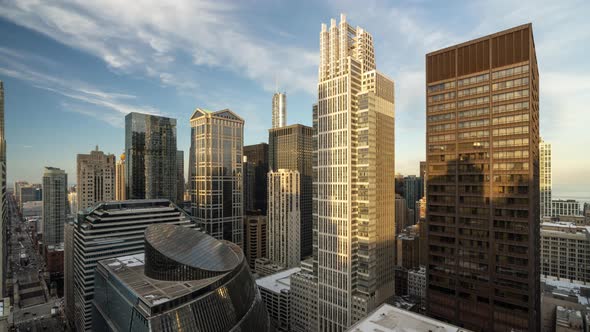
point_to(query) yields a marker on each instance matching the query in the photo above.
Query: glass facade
(150, 149)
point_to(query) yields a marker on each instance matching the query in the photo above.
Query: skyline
(79, 73)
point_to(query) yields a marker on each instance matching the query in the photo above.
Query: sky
(73, 69)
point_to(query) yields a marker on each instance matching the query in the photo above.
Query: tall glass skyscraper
(354, 178)
(483, 182)
(150, 151)
(215, 171)
(546, 179)
(55, 205)
(279, 110)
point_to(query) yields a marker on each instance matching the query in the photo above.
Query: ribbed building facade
(255, 238)
(180, 177)
(482, 216)
(354, 175)
(215, 170)
(291, 148)
(545, 179)
(120, 192)
(565, 251)
(255, 181)
(108, 230)
(210, 290)
(279, 110)
(150, 151)
(95, 178)
(284, 217)
(55, 205)
(3, 204)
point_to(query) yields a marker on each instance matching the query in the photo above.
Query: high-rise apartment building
(413, 191)
(279, 110)
(3, 198)
(257, 158)
(110, 229)
(215, 171)
(120, 191)
(483, 182)
(255, 237)
(180, 177)
(401, 214)
(423, 177)
(354, 176)
(150, 151)
(284, 217)
(96, 178)
(545, 179)
(564, 251)
(567, 207)
(290, 148)
(55, 205)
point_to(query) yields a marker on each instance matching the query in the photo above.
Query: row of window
(510, 95)
(474, 101)
(441, 107)
(511, 154)
(441, 138)
(474, 134)
(473, 91)
(443, 127)
(474, 112)
(474, 79)
(510, 119)
(510, 72)
(511, 107)
(441, 97)
(510, 84)
(474, 123)
(510, 166)
(441, 117)
(441, 86)
(511, 131)
(511, 142)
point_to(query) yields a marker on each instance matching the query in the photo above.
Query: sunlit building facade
(279, 110)
(120, 192)
(95, 178)
(545, 178)
(483, 183)
(354, 178)
(215, 170)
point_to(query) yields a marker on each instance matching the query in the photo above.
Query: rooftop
(388, 318)
(278, 281)
(565, 289)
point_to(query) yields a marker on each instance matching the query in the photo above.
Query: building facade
(304, 298)
(354, 175)
(256, 180)
(284, 217)
(180, 177)
(96, 178)
(482, 138)
(27, 193)
(215, 170)
(567, 207)
(55, 205)
(120, 192)
(275, 290)
(167, 290)
(417, 283)
(545, 178)
(413, 191)
(150, 151)
(255, 237)
(401, 214)
(290, 148)
(279, 110)
(408, 248)
(109, 230)
(565, 251)
(3, 198)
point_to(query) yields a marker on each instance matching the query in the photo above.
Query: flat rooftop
(388, 318)
(278, 281)
(130, 271)
(563, 288)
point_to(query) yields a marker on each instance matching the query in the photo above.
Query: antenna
(276, 84)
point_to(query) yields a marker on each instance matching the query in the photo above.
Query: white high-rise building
(284, 217)
(569, 207)
(55, 205)
(279, 110)
(96, 179)
(215, 172)
(545, 178)
(353, 178)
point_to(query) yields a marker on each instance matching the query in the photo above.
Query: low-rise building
(565, 250)
(275, 290)
(304, 299)
(569, 295)
(387, 318)
(264, 267)
(417, 283)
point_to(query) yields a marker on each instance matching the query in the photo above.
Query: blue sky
(73, 69)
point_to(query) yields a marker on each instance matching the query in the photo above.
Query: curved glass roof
(192, 248)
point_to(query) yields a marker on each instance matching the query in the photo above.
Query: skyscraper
(423, 177)
(255, 237)
(413, 191)
(150, 151)
(3, 205)
(284, 217)
(110, 229)
(290, 148)
(279, 110)
(257, 158)
(96, 179)
(55, 205)
(545, 176)
(216, 173)
(180, 177)
(483, 182)
(120, 192)
(354, 174)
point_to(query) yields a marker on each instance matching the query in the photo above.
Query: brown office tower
(483, 182)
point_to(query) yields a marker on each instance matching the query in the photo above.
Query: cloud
(89, 100)
(147, 36)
